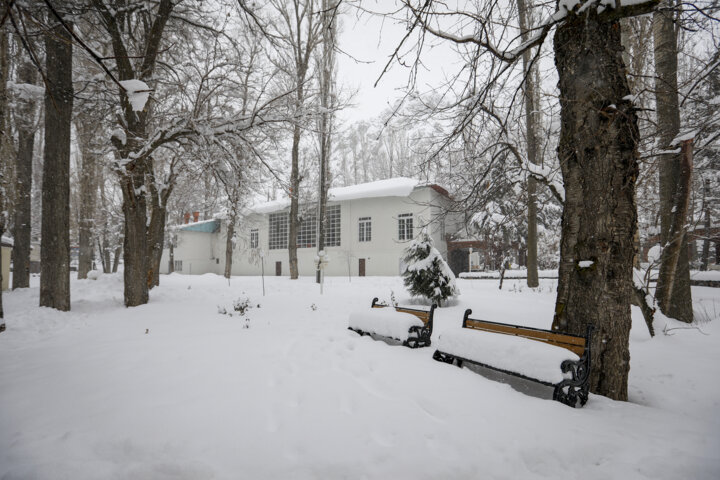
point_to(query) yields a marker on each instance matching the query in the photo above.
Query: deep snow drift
(286, 391)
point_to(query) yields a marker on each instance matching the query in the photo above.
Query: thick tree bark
(531, 107)
(4, 72)
(87, 136)
(55, 229)
(25, 123)
(673, 286)
(598, 158)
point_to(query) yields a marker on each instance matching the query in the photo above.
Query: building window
(405, 226)
(254, 238)
(364, 229)
(178, 265)
(307, 231)
(332, 229)
(278, 231)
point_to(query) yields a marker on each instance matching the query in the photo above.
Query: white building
(368, 227)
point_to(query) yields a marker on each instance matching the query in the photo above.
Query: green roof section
(207, 226)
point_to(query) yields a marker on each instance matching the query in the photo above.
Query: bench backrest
(425, 315)
(575, 344)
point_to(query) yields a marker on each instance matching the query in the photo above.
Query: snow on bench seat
(384, 321)
(507, 352)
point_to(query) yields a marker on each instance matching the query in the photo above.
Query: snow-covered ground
(287, 392)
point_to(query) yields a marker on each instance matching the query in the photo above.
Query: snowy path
(88, 394)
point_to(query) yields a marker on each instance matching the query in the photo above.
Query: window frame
(405, 226)
(333, 227)
(364, 229)
(278, 237)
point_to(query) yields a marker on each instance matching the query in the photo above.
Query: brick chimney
(196, 216)
(187, 217)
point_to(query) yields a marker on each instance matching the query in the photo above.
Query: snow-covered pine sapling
(427, 274)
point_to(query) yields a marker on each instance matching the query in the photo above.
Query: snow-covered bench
(412, 327)
(554, 359)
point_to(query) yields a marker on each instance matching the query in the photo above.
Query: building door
(278, 269)
(361, 267)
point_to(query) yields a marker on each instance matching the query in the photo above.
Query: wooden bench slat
(424, 316)
(569, 342)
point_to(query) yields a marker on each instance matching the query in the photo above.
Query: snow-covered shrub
(240, 306)
(427, 274)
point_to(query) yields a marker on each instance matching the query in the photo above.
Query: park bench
(410, 326)
(558, 360)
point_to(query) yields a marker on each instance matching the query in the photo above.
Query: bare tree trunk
(158, 221)
(705, 259)
(294, 200)
(22, 230)
(531, 107)
(675, 249)
(171, 254)
(4, 73)
(87, 134)
(598, 158)
(673, 286)
(55, 249)
(116, 258)
(326, 64)
(156, 242)
(229, 244)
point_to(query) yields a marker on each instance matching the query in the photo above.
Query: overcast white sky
(368, 38)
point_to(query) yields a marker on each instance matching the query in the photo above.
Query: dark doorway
(278, 269)
(361, 267)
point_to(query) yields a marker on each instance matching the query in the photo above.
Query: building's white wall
(205, 253)
(198, 252)
(382, 254)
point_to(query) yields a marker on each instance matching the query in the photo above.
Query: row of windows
(307, 233)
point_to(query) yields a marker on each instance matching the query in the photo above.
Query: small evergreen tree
(427, 274)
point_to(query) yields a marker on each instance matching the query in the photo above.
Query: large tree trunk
(87, 140)
(4, 72)
(135, 242)
(25, 123)
(55, 230)
(531, 107)
(598, 158)
(673, 286)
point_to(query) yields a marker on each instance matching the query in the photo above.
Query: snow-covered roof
(391, 187)
(8, 241)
